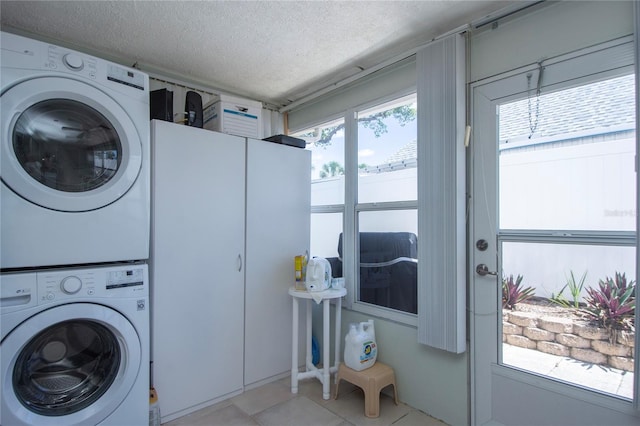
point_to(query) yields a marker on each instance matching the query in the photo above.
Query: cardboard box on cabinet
(235, 116)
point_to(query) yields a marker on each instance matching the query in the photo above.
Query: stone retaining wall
(565, 337)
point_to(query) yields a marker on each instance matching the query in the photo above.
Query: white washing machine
(75, 346)
(74, 157)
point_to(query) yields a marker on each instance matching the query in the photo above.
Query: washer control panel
(99, 282)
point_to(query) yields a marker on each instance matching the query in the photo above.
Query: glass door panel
(549, 325)
(567, 226)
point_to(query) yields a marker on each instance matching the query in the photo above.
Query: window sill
(385, 313)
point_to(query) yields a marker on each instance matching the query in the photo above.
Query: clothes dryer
(75, 346)
(74, 157)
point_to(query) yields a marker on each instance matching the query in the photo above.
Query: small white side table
(323, 374)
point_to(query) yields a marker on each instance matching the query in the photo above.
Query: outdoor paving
(599, 377)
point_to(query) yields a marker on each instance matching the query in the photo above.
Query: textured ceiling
(271, 51)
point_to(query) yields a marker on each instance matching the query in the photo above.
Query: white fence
(568, 186)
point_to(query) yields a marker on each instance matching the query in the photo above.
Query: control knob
(71, 285)
(73, 61)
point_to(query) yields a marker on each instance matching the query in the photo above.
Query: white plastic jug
(360, 349)
(318, 274)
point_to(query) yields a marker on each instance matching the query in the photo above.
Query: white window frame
(350, 210)
(352, 226)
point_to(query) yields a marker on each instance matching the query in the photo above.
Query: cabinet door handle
(239, 263)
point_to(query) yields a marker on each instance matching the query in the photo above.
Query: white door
(278, 221)
(197, 265)
(553, 201)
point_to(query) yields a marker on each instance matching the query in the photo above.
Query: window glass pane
(567, 159)
(567, 163)
(326, 143)
(559, 260)
(561, 331)
(387, 152)
(389, 259)
(325, 234)
(326, 231)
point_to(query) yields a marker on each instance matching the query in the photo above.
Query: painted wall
(545, 32)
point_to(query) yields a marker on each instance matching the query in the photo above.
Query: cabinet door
(197, 266)
(278, 218)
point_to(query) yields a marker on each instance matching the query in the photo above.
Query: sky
(371, 150)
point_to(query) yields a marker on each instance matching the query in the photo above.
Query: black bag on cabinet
(193, 109)
(161, 105)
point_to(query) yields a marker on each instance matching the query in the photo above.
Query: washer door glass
(66, 367)
(67, 145)
(70, 364)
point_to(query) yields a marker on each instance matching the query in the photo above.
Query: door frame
(493, 385)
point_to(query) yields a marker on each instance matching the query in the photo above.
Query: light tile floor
(274, 405)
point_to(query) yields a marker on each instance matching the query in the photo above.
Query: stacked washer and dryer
(74, 218)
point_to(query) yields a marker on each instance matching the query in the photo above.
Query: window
(389, 259)
(387, 152)
(326, 143)
(385, 184)
(386, 207)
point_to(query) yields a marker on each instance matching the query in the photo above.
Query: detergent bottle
(360, 349)
(154, 408)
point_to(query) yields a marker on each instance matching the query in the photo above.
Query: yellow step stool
(371, 380)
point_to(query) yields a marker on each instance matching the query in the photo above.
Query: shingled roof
(595, 108)
(599, 108)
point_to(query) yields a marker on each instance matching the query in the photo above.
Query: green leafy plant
(575, 288)
(612, 305)
(513, 292)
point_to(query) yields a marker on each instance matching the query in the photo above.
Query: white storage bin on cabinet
(235, 116)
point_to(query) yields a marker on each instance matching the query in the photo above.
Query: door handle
(483, 270)
(239, 263)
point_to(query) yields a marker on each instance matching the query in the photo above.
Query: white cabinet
(278, 220)
(228, 217)
(196, 266)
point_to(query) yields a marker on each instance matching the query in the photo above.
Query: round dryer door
(66, 145)
(71, 364)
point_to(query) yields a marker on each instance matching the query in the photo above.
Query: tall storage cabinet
(196, 266)
(228, 217)
(278, 221)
